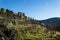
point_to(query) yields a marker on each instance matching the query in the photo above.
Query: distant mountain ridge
(52, 20)
(52, 23)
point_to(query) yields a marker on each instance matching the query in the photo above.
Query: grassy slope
(34, 32)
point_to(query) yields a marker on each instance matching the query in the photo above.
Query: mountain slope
(52, 23)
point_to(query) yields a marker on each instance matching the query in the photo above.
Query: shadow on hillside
(6, 34)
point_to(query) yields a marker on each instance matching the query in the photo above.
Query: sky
(37, 9)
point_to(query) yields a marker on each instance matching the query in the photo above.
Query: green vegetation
(20, 27)
(34, 32)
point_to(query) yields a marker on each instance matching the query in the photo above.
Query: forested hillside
(17, 26)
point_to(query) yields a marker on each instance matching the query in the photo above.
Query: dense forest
(17, 26)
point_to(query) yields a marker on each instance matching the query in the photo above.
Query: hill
(8, 16)
(17, 26)
(52, 23)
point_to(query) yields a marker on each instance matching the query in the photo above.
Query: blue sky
(37, 9)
